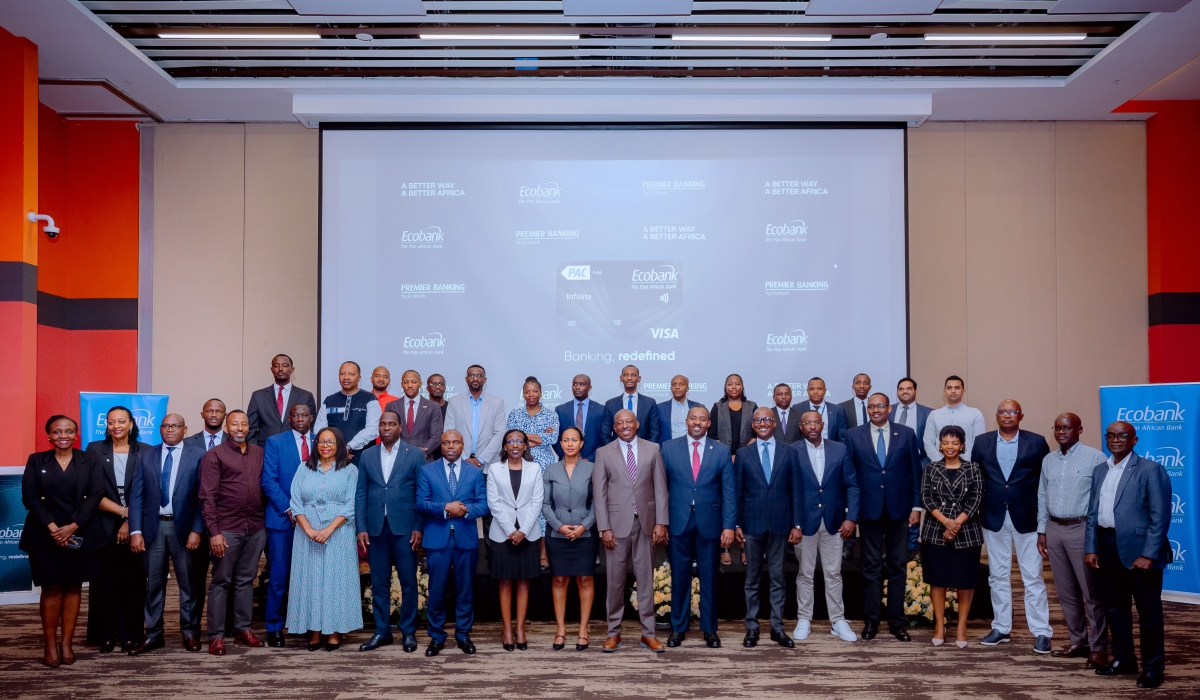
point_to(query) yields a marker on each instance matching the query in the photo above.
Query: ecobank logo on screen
(429, 237)
(660, 277)
(1162, 415)
(795, 340)
(552, 392)
(1171, 458)
(544, 193)
(428, 344)
(794, 230)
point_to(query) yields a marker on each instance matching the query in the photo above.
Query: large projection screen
(774, 253)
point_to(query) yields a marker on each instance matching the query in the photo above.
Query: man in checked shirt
(1063, 497)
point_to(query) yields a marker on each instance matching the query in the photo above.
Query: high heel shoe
(67, 659)
(584, 646)
(961, 644)
(313, 646)
(938, 642)
(107, 647)
(52, 661)
(523, 645)
(556, 646)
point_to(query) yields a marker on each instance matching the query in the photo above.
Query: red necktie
(695, 460)
(410, 417)
(304, 448)
(279, 402)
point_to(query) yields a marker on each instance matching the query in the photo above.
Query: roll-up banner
(1165, 418)
(148, 412)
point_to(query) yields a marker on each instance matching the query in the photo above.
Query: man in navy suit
(631, 400)
(451, 495)
(282, 454)
(165, 522)
(701, 519)
(832, 415)
(583, 413)
(1126, 540)
(673, 413)
(769, 502)
(912, 415)
(390, 529)
(888, 470)
(830, 509)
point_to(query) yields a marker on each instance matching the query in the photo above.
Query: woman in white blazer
(514, 491)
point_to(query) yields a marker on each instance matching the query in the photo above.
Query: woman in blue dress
(540, 425)
(323, 597)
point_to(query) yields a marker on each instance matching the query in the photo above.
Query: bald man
(1011, 460)
(381, 379)
(165, 522)
(673, 413)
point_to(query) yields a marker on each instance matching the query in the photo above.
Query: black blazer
(106, 477)
(1018, 495)
(77, 503)
(263, 412)
(791, 432)
(895, 488)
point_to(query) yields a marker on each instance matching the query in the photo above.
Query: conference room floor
(819, 667)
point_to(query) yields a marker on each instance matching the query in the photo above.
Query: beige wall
(1027, 254)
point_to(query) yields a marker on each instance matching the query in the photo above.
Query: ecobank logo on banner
(660, 277)
(791, 231)
(148, 412)
(795, 340)
(1172, 458)
(542, 193)
(428, 344)
(1161, 415)
(429, 237)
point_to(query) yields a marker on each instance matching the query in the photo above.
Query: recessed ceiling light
(500, 37)
(227, 35)
(364, 37)
(751, 37)
(1000, 38)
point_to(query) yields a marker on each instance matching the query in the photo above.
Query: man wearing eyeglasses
(1127, 542)
(1011, 460)
(353, 411)
(479, 417)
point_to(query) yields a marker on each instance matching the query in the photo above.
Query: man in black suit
(420, 418)
(213, 434)
(631, 400)
(787, 420)
(833, 417)
(1011, 460)
(888, 470)
(268, 407)
(910, 414)
(583, 413)
(435, 386)
(856, 408)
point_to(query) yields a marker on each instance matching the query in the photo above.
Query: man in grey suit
(268, 407)
(630, 496)
(856, 408)
(480, 418)
(787, 420)
(420, 419)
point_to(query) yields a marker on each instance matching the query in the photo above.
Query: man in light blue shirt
(672, 413)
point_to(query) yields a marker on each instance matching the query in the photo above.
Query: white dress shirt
(816, 457)
(911, 423)
(458, 469)
(175, 452)
(625, 403)
(300, 438)
(1108, 493)
(876, 431)
(860, 405)
(287, 394)
(217, 438)
(626, 445)
(783, 414)
(387, 460)
(406, 402)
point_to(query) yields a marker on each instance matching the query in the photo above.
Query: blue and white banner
(1165, 417)
(148, 412)
(14, 564)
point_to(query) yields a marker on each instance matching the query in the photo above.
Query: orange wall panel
(18, 380)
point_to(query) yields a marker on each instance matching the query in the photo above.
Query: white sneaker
(841, 630)
(803, 627)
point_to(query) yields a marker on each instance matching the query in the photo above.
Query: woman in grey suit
(570, 541)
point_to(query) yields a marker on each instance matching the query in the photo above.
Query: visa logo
(664, 333)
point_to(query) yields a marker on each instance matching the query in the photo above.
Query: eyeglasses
(327, 443)
(514, 442)
(762, 421)
(1008, 412)
(172, 426)
(1063, 428)
(475, 375)
(437, 383)
(1117, 436)
(878, 406)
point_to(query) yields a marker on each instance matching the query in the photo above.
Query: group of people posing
(386, 477)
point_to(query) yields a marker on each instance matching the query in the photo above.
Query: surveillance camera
(50, 229)
(51, 232)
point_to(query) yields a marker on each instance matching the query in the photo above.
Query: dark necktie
(904, 416)
(304, 448)
(165, 500)
(453, 481)
(211, 438)
(579, 416)
(864, 414)
(409, 419)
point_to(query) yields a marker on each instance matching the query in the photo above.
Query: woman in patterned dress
(540, 425)
(323, 596)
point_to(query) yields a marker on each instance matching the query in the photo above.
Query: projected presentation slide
(777, 254)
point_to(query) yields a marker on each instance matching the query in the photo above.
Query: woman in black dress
(731, 425)
(951, 536)
(571, 540)
(514, 492)
(117, 597)
(60, 535)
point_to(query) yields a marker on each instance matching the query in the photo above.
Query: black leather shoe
(675, 639)
(313, 646)
(332, 646)
(375, 642)
(409, 643)
(147, 646)
(434, 648)
(1150, 679)
(870, 629)
(107, 647)
(901, 634)
(465, 643)
(782, 639)
(751, 639)
(1117, 668)
(712, 640)
(275, 639)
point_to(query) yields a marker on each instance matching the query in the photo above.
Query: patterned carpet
(819, 667)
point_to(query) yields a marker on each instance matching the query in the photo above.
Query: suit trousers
(201, 558)
(880, 536)
(163, 550)
(1077, 585)
(636, 549)
(279, 559)
(117, 596)
(385, 551)
(1000, 546)
(683, 549)
(1117, 586)
(442, 563)
(772, 547)
(236, 570)
(830, 549)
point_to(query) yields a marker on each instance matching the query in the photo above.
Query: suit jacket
(768, 507)
(592, 432)
(647, 415)
(106, 476)
(712, 494)
(492, 421)
(833, 500)
(835, 419)
(77, 502)
(616, 497)
(894, 489)
(790, 432)
(200, 440)
(853, 419)
(1018, 495)
(427, 429)
(664, 419)
(146, 494)
(281, 458)
(433, 493)
(1141, 511)
(963, 495)
(263, 412)
(568, 500)
(398, 494)
(509, 511)
(922, 416)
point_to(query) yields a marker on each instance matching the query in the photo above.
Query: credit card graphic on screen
(619, 300)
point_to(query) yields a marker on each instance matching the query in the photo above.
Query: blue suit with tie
(664, 419)
(385, 510)
(451, 544)
(593, 418)
(281, 457)
(647, 416)
(699, 509)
